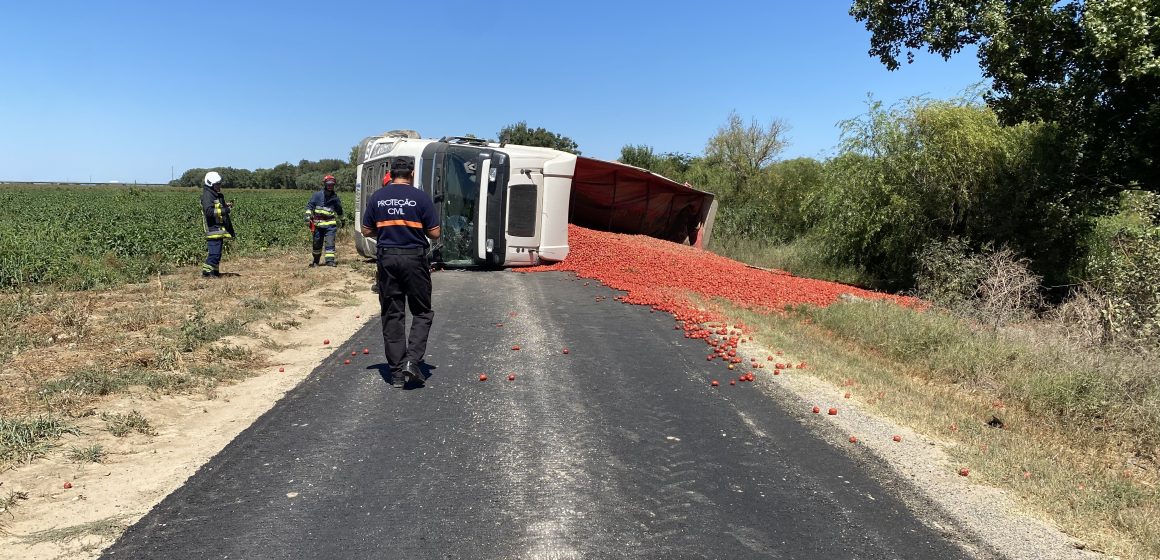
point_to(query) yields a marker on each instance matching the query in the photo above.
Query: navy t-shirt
(401, 213)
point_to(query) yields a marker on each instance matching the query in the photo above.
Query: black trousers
(404, 282)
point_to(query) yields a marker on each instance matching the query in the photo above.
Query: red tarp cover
(611, 196)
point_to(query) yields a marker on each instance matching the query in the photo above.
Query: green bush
(994, 286)
(1124, 266)
(926, 171)
(949, 273)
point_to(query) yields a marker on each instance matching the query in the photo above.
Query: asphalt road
(619, 449)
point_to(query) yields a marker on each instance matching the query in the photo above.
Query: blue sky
(108, 90)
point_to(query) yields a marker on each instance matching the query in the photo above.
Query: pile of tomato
(668, 276)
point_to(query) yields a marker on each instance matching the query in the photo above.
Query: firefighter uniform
(218, 225)
(401, 216)
(323, 212)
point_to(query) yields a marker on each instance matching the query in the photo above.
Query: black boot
(412, 373)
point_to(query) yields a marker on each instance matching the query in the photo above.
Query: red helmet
(328, 181)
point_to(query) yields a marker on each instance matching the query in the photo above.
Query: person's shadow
(384, 371)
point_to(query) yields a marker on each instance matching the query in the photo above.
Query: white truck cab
(509, 205)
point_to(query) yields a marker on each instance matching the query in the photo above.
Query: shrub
(994, 286)
(1124, 265)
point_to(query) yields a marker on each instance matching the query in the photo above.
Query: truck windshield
(460, 194)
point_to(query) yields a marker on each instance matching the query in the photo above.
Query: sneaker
(331, 263)
(398, 380)
(413, 374)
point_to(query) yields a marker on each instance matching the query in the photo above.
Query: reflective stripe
(407, 223)
(327, 223)
(217, 209)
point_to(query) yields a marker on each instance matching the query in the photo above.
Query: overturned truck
(508, 205)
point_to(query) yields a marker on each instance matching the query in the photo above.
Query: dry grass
(63, 353)
(7, 504)
(104, 529)
(1078, 442)
(121, 425)
(94, 453)
(24, 439)
(800, 257)
(335, 298)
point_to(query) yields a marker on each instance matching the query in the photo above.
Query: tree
(640, 155)
(191, 178)
(283, 176)
(1093, 67)
(745, 150)
(521, 134)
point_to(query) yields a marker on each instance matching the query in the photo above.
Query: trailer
(504, 205)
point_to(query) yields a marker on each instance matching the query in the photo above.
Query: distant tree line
(305, 175)
(308, 174)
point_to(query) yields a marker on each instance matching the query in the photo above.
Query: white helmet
(212, 179)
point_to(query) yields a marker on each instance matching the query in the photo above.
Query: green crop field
(79, 238)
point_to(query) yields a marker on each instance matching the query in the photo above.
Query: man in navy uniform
(402, 218)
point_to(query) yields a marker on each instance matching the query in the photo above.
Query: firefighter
(322, 215)
(402, 218)
(218, 225)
